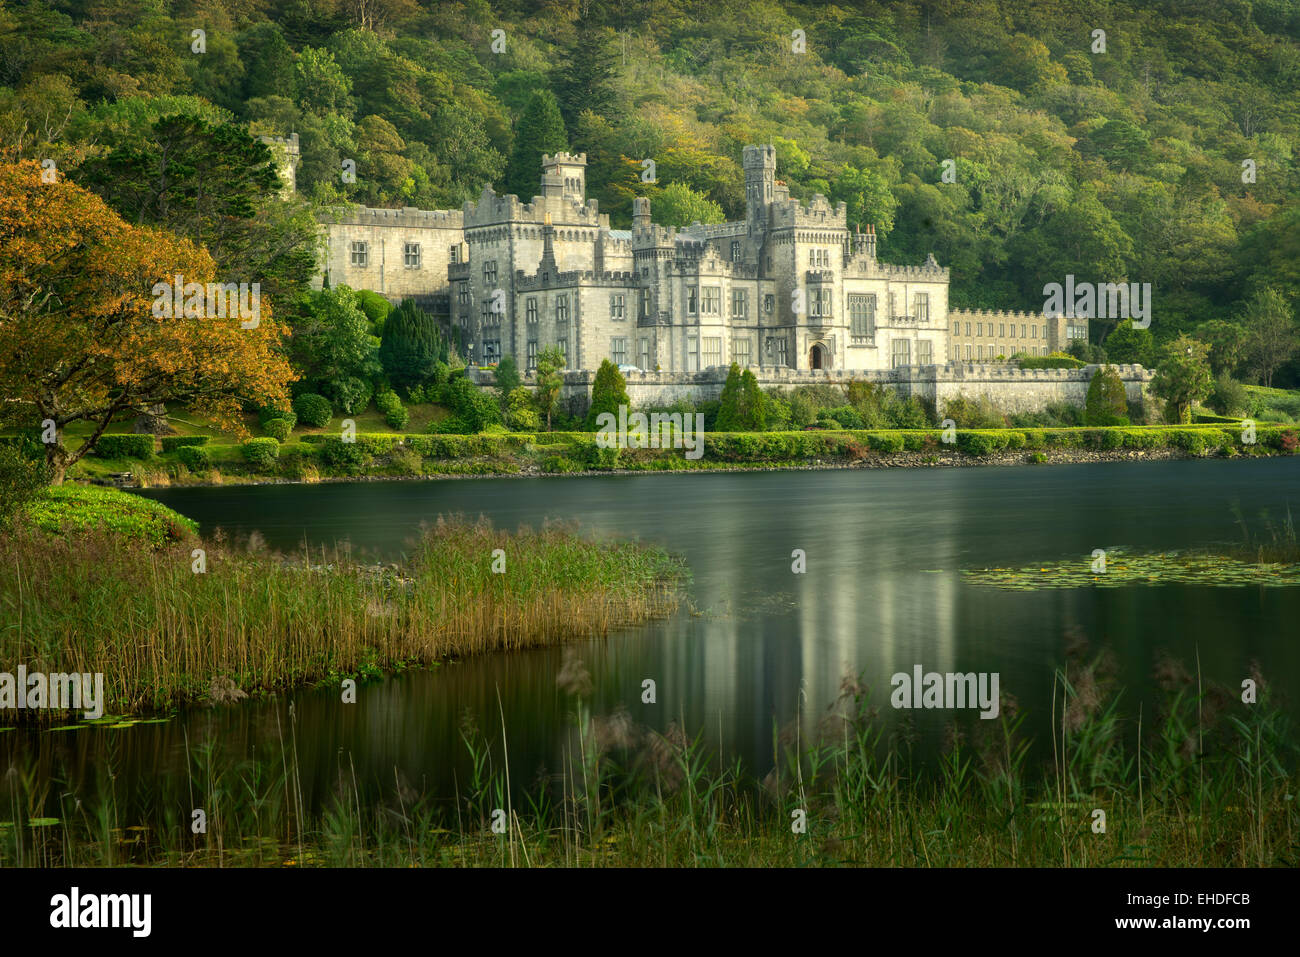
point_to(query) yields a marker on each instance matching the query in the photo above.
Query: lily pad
(1125, 568)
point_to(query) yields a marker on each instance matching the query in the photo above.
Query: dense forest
(1019, 140)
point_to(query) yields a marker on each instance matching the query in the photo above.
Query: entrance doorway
(817, 357)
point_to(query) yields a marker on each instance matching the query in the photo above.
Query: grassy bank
(316, 456)
(139, 609)
(1204, 781)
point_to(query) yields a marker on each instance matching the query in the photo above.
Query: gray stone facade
(789, 287)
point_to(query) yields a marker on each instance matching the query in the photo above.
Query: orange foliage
(78, 338)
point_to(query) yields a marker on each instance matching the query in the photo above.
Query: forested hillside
(1163, 151)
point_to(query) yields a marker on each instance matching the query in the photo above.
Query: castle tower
(760, 175)
(565, 175)
(640, 213)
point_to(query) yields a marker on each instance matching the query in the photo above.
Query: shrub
(1229, 396)
(1057, 360)
(266, 413)
(560, 464)
(405, 461)
(313, 409)
(1107, 402)
(170, 443)
(124, 447)
(194, 457)
(1016, 440)
(22, 478)
(1112, 439)
(914, 441)
(261, 453)
(1035, 438)
(977, 413)
(521, 413)
(350, 393)
(394, 412)
(472, 409)
(1193, 441)
(886, 443)
(977, 443)
(338, 454)
(278, 429)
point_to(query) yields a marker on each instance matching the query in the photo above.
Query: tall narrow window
(618, 350)
(862, 317)
(922, 301)
(712, 351)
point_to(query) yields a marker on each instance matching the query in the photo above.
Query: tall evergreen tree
(585, 82)
(540, 130)
(608, 392)
(411, 346)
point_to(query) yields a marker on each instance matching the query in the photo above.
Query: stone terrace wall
(1012, 389)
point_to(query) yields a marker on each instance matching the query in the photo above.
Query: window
(819, 257)
(616, 303)
(643, 305)
(968, 328)
(1002, 329)
(530, 310)
(779, 349)
(692, 301)
(411, 255)
(1022, 331)
(862, 317)
(979, 328)
(489, 315)
(1073, 331)
(361, 254)
(712, 301)
(491, 351)
(712, 351)
(922, 302)
(925, 353)
(893, 305)
(968, 353)
(1034, 331)
(979, 352)
(618, 350)
(956, 328)
(692, 353)
(562, 308)
(462, 293)
(490, 272)
(453, 253)
(739, 304)
(562, 344)
(769, 303)
(900, 353)
(735, 250)
(821, 300)
(742, 351)
(532, 355)
(643, 351)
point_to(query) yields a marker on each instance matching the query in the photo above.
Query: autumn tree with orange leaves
(78, 338)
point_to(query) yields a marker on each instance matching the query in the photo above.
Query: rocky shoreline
(922, 459)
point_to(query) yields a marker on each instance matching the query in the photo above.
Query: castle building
(790, 286)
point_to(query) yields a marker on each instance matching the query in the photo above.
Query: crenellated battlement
(408, 216)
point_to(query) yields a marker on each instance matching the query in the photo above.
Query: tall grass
(162, 633)
(1210, 782)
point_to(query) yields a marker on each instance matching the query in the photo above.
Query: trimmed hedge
(278, 429)
(170, 443)
(194, 457)
(124, 447)
(313, 409)
(261, 453)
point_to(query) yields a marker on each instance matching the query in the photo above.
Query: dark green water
(881, 594)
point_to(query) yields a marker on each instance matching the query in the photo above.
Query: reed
(163, 634)
(1215, 786)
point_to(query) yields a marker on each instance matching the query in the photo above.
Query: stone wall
(1011, 389)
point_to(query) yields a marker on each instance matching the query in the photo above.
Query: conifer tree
(540, 130)
(608, 392)
(411, 345)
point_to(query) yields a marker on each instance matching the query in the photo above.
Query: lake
(755, 643)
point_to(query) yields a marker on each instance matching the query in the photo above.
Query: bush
(170, 443)
(472, 409)
(1057, 360)
(22, 478)
(313, 409)
(124, 447)
(350, 394)
(979, 413)
(394, 412)
(980, 443)
(194, 457)
(405, 461)
(1193, 441)
(1107, 403)
(261, 453)
(1229, 396)
(887, 443)
(1016, 440)
(266, 413)
(338, 454)
(278, 429)
(560, 464)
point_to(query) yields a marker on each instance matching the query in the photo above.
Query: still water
(756, 644)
